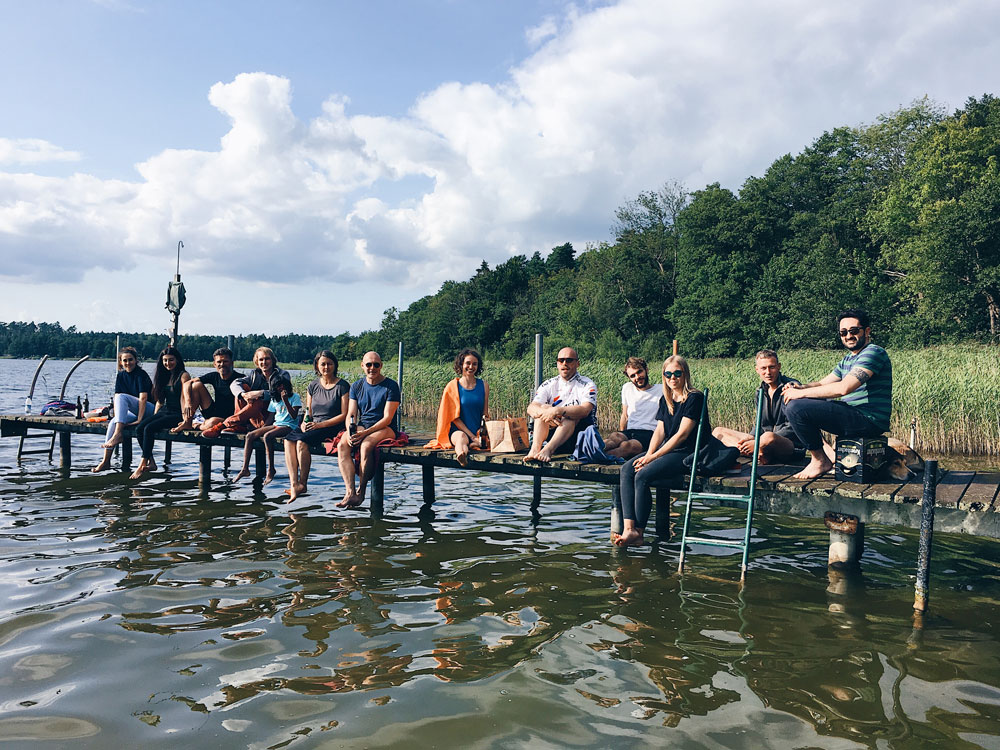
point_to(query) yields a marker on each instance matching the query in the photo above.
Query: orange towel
(448, 412)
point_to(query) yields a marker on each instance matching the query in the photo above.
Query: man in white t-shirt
(640, 400)
(564, 405)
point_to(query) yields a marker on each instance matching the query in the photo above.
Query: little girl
(282, 418)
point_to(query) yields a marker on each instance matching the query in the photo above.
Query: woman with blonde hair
(677, 422)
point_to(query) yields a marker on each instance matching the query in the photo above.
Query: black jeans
(635, 491)
(162, 420)
(808, 416)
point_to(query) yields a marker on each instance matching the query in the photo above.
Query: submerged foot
(629, 538)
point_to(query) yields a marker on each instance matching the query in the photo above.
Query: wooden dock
(966, 501)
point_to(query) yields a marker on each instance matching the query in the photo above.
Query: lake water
(144, 615)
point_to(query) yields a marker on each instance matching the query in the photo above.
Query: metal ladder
(50, 436)
(748, 498)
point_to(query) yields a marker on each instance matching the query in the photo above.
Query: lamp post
(176, 297)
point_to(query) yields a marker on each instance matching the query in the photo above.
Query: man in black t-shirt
(214, 407)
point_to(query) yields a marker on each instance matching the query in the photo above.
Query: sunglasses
(852, 331)
(376, 365)
(564, 360)
(673, 373)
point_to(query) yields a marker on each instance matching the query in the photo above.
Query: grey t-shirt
(326, 403)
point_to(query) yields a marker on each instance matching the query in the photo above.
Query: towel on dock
(590, 449)
(448, 412)
(330, 447)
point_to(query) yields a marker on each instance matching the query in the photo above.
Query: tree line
(900, 216)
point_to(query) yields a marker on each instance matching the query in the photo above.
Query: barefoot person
(464, 404)
(131, 401)
(282, 417)
(673, 440)
(778, 441)
(640, 402)
(863, 383)
(211, 393)
(327, 399)
(563, 406)
(374, 401)
(168, 382)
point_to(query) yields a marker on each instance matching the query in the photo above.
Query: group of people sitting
(657, 430)
(262, 405)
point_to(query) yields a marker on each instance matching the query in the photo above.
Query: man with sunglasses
(640, 402)
(563, 405)
(778, 441)
(372, 410)
(863, 383)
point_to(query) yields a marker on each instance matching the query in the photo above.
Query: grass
(953, 392)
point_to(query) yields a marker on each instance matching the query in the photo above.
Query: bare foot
(356, 501)
(532, 455)
(629, 538)
(269, 477)
(115, 440)
(141, 469)
(104, 465)
(348, 501)
(462, 458)
(187, 424)
(815, 469)
(545, 454)
(244, 473)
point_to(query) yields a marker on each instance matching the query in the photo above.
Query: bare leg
(345, 461)
(539, 434)
(730, 437)
(368, 458)
(461, 447)
(627, 449)
(146, 464)
(116, 437)
(248, 452)
(817, 467)
(187, 410)
(105, 461)
(270, 442)
(560, 435)
(615, 439)
(631, 534)
(774, 448)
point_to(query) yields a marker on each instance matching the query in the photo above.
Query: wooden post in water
(227, 456)
(378, 490)
(260, 459)
(616, 511)
(536, 481)
(126, 446)
(65, 457)
(166, 451)
(920, 592)
(205, 465)
(662, 518)
(427, 478)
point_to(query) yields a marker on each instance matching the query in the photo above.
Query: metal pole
(538, 360)
(118, 347)
(675, 347)
(229, 344)
(920, 592)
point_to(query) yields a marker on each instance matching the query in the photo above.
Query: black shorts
(643, 436)
(216, 411)
(569, 444)
(313, 437)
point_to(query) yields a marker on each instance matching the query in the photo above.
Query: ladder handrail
(62, 393)
(694, 473)
(31, 391)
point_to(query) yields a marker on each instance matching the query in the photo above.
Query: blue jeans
(126, 412)
(808, 416)
(635, 491)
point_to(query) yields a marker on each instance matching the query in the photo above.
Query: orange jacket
(448, 412)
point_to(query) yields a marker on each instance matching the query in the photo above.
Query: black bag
(714, 459)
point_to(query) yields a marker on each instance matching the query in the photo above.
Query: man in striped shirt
(863, 383)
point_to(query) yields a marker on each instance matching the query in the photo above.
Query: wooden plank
(952, 487)
(882, 492)
(981, 493)
(913, 492)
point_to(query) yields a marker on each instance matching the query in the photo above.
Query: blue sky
(323, 161)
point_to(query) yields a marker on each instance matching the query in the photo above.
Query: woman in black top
(326, 399)
(673, 441)
(168, 384)
(131, 401)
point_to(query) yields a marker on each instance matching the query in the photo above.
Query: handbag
(509, 435)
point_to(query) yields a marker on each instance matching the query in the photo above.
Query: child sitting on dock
(282, 418)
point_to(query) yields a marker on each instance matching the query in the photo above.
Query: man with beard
(778, 441)
(640, 400)
(863, 383)
(216, 403)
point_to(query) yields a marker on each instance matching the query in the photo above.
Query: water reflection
(232, 614)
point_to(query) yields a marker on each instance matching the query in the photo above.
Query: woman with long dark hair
(677, 422)
(327, 398)
(168, 382)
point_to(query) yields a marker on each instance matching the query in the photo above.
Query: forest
(900, 216)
